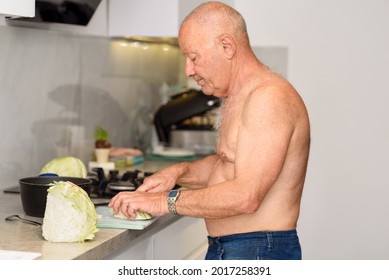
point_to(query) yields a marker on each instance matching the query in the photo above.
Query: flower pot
(102, 154)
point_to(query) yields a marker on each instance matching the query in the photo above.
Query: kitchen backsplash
(55, 88)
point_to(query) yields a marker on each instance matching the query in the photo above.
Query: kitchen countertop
(19, 236)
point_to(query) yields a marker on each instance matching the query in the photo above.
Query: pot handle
(48, 175)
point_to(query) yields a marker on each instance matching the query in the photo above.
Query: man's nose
(189, 70)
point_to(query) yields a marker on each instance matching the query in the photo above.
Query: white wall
(339, 62)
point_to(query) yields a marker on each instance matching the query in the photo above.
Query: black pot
(33, 192)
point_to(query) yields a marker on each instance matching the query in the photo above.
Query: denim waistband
(260, 245)
(283, 235)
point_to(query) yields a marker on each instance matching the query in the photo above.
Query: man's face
(203, 59)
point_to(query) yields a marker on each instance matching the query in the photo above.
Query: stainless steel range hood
(76, 12)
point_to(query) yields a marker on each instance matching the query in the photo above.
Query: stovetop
(106, 186)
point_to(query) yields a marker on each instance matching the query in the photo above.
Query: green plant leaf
(101, 134)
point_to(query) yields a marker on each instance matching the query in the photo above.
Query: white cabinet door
(146, 18)
(184, 239)
(25, 8)
(149, 18)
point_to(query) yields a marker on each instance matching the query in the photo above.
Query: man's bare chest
(228, 137)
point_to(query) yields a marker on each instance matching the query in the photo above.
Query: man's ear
(228, 45)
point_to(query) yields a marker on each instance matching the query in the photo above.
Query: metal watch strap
(171, 201)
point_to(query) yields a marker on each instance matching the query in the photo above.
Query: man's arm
(192, 175)
(267, 125)
(151, 196)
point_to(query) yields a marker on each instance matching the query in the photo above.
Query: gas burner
(109, 187)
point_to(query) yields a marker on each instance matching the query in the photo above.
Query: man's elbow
(250, 206)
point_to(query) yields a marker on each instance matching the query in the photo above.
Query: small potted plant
(102, 145)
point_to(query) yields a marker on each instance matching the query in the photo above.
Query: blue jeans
(261, 245)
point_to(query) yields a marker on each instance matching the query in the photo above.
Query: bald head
(216, 18)
(213, 39)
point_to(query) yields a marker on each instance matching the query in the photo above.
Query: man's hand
(162, 181)
(150, 202)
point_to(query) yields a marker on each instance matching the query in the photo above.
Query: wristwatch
(171, 200)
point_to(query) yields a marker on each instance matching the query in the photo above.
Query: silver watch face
(172, 193)
(171, 201)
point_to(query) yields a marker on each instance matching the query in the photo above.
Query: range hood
(76, 12)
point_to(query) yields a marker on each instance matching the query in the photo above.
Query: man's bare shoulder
(273, 98)
(273, 88)
(270, 85)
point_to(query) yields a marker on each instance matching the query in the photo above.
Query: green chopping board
(106, 220)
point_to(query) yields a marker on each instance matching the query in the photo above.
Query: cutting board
(107, 221)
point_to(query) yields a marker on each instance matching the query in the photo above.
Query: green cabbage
(70, 215)
(65, 167)
(140, 215)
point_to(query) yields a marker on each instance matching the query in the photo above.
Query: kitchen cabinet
(25, 8)
(148, 18)
(186, 238)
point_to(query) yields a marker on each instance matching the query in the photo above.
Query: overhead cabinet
(25, 8)
(148, 18)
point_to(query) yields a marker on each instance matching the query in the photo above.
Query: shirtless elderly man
(249, 192)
